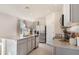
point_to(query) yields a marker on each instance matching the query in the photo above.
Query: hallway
(43, 49)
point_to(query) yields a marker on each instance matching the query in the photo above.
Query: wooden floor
(43, 49)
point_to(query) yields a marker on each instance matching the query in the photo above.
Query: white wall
(8, 26)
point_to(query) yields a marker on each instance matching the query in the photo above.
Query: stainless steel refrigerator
(42, 36)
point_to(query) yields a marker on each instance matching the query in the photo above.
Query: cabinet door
(33, 42)
(66, 51)
(74, 12)
(11, 47)
(37, 41)
(22, 47)
(29, 45)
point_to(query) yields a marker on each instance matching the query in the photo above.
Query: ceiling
(30, 11)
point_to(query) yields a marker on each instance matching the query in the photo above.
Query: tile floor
(43, 49)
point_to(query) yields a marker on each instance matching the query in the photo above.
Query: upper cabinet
(74, 8)
(66, 12)
(71, 13)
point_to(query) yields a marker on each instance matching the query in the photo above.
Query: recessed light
(27, 7)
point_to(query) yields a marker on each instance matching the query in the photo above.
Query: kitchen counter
(63, 44)
(28, 36)
(19, 38)
(64, 48)
(20, 46)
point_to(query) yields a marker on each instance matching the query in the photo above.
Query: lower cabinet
(65, 51)
(22, 47)
(25, 46)
(33, 42)
(37, 41)
(29, 45)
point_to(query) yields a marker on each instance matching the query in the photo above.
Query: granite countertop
(28, 36)
(63, 44)
(18, 38)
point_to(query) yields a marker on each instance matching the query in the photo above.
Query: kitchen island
(61, 47)
(21, 46)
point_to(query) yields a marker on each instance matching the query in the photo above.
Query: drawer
(21, 41)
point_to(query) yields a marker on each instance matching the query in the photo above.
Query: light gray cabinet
(37, 41)
(26, 45)
(74, 8)
(29, 45)
(33, 42)
(65, 51)
(11, 47)
(22, 47)
(71, 13)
